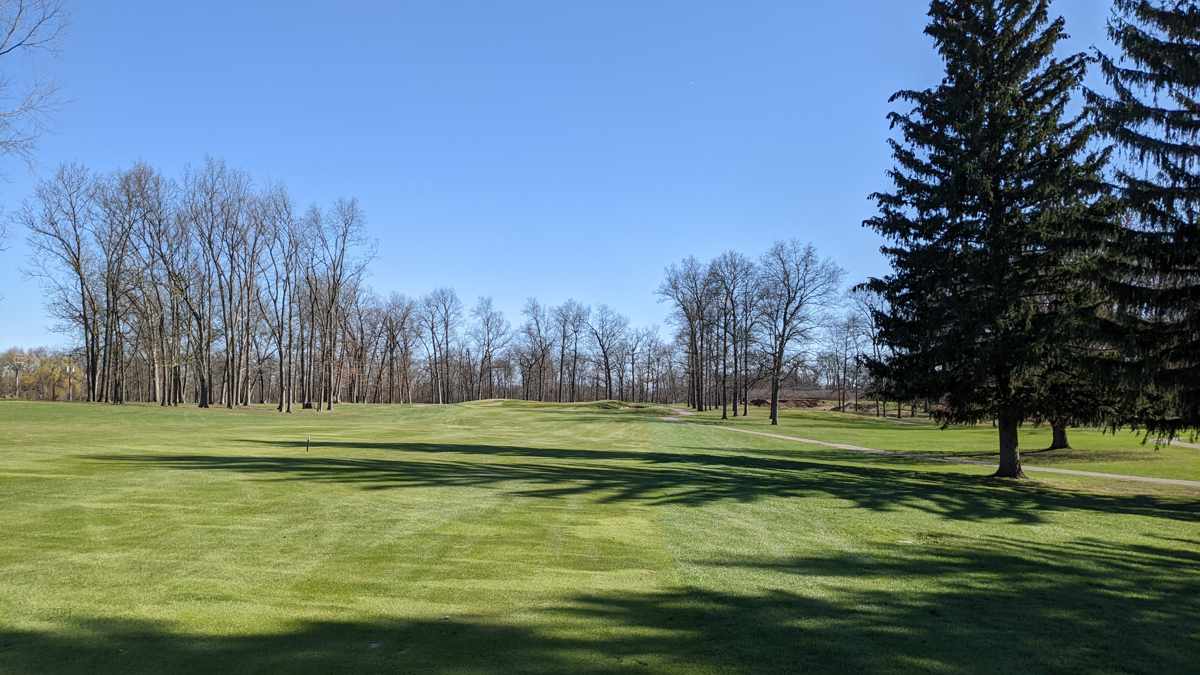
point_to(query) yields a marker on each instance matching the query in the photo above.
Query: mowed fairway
(539, 538)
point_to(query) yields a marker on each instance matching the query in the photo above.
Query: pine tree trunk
(1059, 441)
(1010, 453)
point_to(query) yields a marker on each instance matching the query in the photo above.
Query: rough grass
(543, 538)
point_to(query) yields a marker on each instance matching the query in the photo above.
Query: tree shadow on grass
(107, 645)
(945, 457)
(1142, 449)
(661, 478)
(942, 604)
(1004, 605)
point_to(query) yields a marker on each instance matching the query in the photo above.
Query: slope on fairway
(542, 538)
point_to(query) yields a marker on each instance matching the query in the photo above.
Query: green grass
(1121, 452)
(505, 537)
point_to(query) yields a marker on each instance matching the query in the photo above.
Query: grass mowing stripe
(549, 538)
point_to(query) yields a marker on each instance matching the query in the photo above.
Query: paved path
(678, 415)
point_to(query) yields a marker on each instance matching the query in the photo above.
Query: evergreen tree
(994, 201)
(1153, 270)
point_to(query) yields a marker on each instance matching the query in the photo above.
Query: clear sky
(512, 149)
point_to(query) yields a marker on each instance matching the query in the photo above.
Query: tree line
(212, 291)
(208, 290)
(744, 321)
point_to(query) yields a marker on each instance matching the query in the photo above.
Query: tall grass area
(508, 537)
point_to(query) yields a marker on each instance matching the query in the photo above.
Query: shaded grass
(516, 538)
(927, 605)
(657, 479)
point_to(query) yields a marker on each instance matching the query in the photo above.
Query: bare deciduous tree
(283, 250)
(539, 343)
(793, 284)
(734, 274)
(27, 27)
(58, 220)
(571, 320)
(441, 312)
(608, 329)
(690, 287)
(490, 334)
(339, 239)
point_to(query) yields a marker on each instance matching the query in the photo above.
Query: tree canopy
(994, 193)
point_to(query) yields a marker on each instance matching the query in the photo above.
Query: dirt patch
(677, 415)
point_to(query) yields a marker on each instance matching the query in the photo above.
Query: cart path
(679, 415)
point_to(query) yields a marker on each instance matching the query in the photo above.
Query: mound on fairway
(506, 537)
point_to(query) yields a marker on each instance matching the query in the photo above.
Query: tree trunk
(774, 399)
(1059, 441)
(1010, 453)
(725, 369)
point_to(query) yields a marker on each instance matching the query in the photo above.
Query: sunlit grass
(502, 536)
(1122, 452)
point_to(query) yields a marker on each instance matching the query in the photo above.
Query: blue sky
(511, 149)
